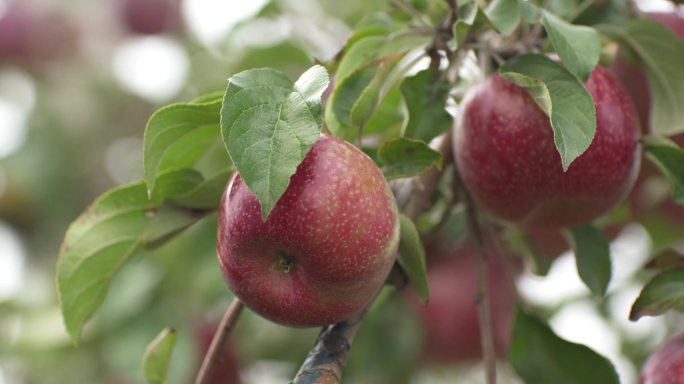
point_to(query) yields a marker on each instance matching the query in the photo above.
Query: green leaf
(405, 157)
(206, 195)
(662, 53)
(105, 236)
(343, 99)
(562, 97)
(178, 134)
(469, 12)
(365, 106)
(592, 254)
(504, 15)
(368, 50)
(411, 257)
(541, 357)
(664, 291)
(578, 46)
(425, 98)
(157, 356)
(529, 11)
(670, 160)
(268, 125)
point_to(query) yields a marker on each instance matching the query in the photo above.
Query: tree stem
(482, 288)
(211, 358)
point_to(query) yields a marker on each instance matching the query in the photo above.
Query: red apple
(226, 370)
(327, 246)
(504, 149)
(666, 365)
(148, 17)
(450, 319)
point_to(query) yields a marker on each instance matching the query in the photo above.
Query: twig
(483, 310)
(220, 337)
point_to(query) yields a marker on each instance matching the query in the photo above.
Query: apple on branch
(505, 152)
(325, 249)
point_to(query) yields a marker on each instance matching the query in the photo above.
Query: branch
(220, 337)
(325, 362)
(483, 310)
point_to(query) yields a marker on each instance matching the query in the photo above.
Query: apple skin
(504, 150)
(665, 365)
(450, 319)
(325, 249)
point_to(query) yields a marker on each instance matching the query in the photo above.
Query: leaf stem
(213, 353)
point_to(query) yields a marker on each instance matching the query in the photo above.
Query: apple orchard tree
(447, 142)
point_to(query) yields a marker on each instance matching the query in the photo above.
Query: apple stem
(482, 290)
(211, 358)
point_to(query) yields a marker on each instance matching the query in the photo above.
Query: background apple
(31, 36)
(325, 249)
(632, 75)
(666, 365)
(504, 149)
(450, 320)
(150, 17)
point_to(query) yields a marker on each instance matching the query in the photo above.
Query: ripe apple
(666, 365)
(325, 249)
(450, 319)
(149, 17)
(504, 149)
(226, 370)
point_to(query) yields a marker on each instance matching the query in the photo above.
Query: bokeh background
(78, 81)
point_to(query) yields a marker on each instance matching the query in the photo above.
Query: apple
(226, 370)
(504, 149)
(665, 365)
(149, 17)
(30, 36)
(633, 77)
(450, 319)
(326, 247)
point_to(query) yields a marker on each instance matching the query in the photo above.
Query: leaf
(405, 157)
(343, 99)
(370, 49)
(365, 106)
(578, 46)
(268, 125)
(206, 195)
(592, 254)
(529, 11)
(105, 236)
(664, 291)
(560, 95)
(425, 98)
(504, 15)
(177, 135)
(670, 161)
(157, 356)
(541, 357)
(662, 53)
(412, 257)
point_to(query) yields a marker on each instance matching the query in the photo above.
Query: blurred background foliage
(78, 81)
